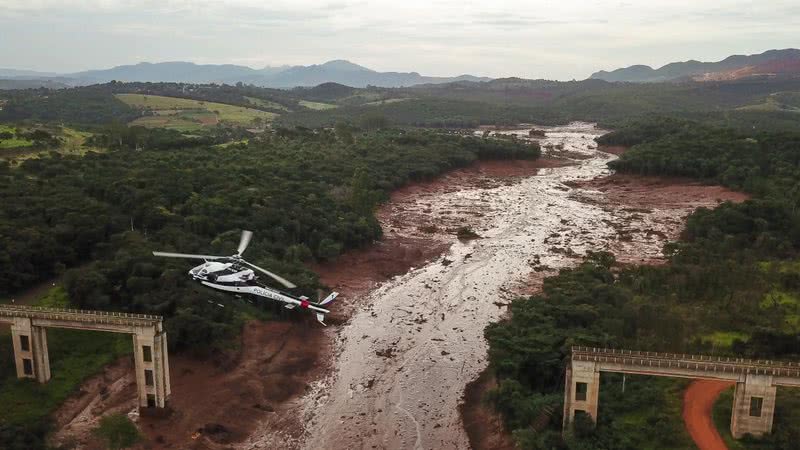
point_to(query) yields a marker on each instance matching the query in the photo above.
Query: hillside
(184, 114)
(336, 71)
(769, 61)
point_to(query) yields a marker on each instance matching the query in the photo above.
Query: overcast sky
(562, 39)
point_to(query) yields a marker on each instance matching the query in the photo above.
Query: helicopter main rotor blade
(244, 241)
(186, 255)
(277, 278)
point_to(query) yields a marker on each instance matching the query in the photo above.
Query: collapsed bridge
(753, 401)
(29, 334)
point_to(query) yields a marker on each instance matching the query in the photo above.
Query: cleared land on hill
(184, 114)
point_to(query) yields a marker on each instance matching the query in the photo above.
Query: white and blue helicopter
(234, 274)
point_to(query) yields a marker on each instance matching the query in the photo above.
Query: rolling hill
(337, 71)
(772, 62)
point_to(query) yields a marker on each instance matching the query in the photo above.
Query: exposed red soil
(637, 191)
(78, 415)
(674, 196)
(698, 401)
(515, 168)
(214, 402)
(786, 67)
(483, 425)
(356, 272)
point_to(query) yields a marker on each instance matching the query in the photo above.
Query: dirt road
(698, 402)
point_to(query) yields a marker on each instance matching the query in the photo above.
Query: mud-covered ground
(407, 334)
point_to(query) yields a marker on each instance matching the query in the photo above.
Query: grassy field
(317, 105)
(387, 101)
(266, 103)
(14, 142)
(188, 115)
(72, 143)
(782, 101)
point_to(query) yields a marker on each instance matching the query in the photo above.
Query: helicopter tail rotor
(329, 298)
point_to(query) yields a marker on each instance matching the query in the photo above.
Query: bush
(117, 431)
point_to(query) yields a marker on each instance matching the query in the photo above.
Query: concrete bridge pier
(581, 390)
(30, 350)
(152, 367)
(753, 406)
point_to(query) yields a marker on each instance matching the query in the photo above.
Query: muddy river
(403, 359)
(391, 370)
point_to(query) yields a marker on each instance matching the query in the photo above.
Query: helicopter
(234, 274)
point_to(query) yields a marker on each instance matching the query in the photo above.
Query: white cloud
(536, 38)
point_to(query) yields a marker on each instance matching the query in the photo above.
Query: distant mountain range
(337, 71)
(771, 63)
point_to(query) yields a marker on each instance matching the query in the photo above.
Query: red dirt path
(698, 400)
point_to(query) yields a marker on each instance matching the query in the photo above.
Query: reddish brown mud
(216, 401)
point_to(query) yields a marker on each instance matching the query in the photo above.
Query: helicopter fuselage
(232, 277)
(222, 272)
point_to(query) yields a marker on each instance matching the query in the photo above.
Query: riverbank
(256, 391)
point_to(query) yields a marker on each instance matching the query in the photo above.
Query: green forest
(731, 287)
(307, 196)
(307, 184)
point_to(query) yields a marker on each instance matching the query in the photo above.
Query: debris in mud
(387, 353)
(651, 232)
(564, 251)
(266, 408)
(428, 229)
(466, 234)
(535, 132)
(216, 432)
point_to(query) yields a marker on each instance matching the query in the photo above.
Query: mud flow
(391, 369)
(412, 344)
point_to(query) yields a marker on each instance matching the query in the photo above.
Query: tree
(344, 133)
(362, 198)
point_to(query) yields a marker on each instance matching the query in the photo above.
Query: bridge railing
(705, 363)
(110, 317)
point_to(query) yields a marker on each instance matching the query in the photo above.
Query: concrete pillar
(30, 350)
(753, 406)
(152, 368)
(41, 357)
(581, 390)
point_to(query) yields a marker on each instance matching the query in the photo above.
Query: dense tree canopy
(306, 195)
